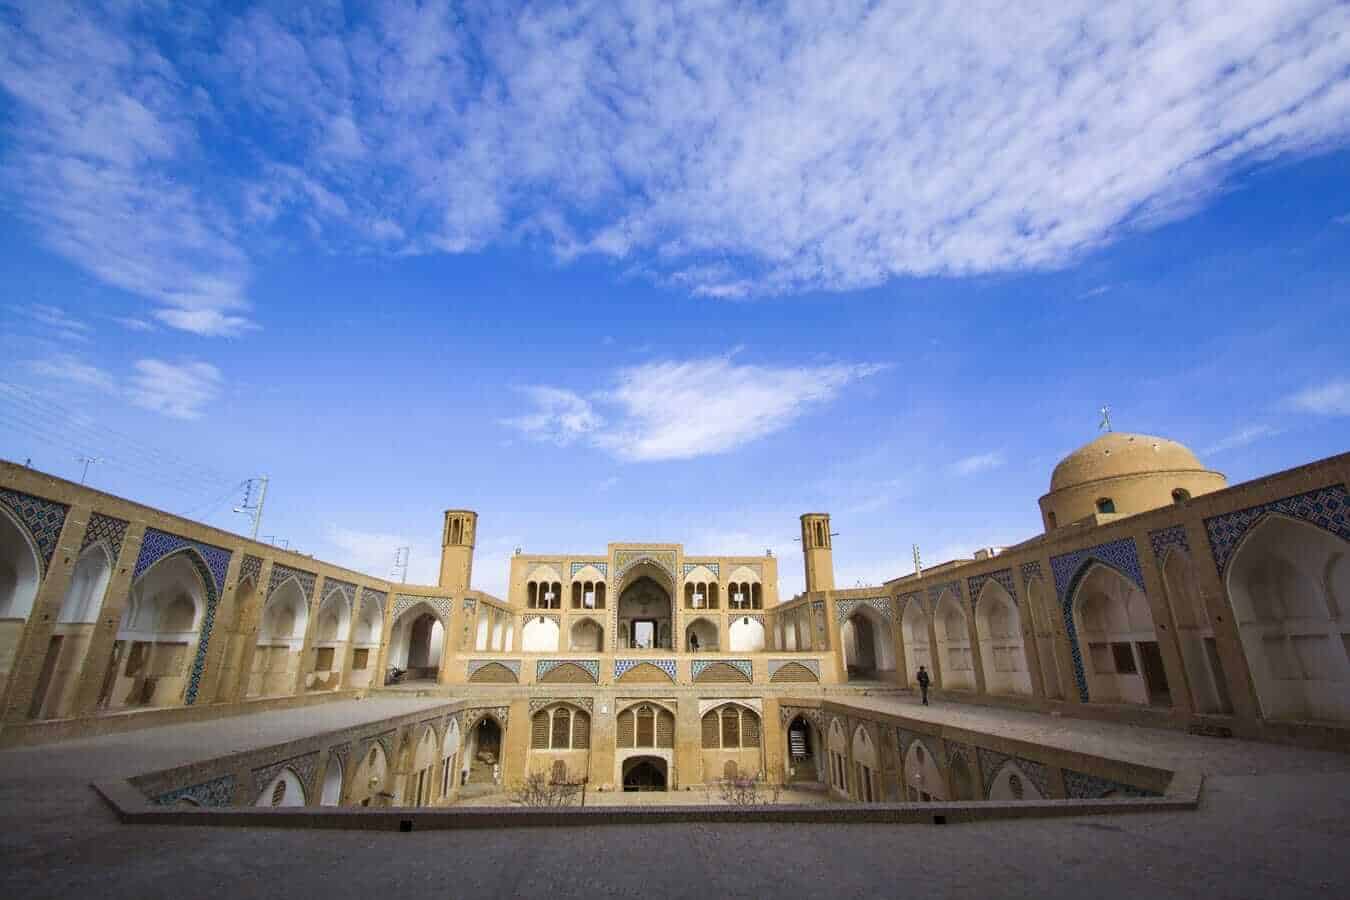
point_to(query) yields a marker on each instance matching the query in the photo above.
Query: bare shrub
(541, 789)
(746, 790)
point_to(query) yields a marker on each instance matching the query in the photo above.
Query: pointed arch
(701, 635)
(1010, 783)
(865, 638)
(21, 568)
(417, 641)
(914, 635)
(953, 643)
(1112, 626)
(998, 624)
(88, 583)
(285, 789)
(331, 793)
(1287, 582)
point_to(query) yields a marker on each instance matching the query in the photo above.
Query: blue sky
(607, 273)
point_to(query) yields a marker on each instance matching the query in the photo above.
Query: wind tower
(817, 553)
(457, 549)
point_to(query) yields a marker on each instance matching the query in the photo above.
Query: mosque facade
(1156, 594)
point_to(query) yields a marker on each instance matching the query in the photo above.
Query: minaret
(457, 549)
(817, 553)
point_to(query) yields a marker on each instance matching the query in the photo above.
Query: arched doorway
(866, 640)
(281, 637)
(645, 615)
(485, 753)
(644, 773)
(416, 643)
(20, 573)
(539, 634)
(158, 634)
(701, 636)
(999, 626)
(1046, 616)
(1289, 584)
(802, 741)
(1011, 783)
(1195, 636)
(914, 633)
(745, 635)
(366, 641)
(331, 795)
(923, 779)
(69, 643)
(953, 640)
(330, 635)
(1116, 638)
(368, 784)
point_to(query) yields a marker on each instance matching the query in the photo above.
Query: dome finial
(1105, 423)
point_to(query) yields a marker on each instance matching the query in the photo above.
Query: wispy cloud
(70, 368)
(982, 462)
(1242, 437)
(682, 410)
(55, 321)
(1329, 399)
(726, 149)
(180, 390)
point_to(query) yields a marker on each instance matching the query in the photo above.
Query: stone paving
(1274, 822)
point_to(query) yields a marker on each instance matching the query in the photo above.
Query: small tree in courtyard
(543, 789)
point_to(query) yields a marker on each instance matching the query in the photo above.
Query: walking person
(923, 684)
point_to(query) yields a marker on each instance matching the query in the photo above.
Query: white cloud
(179, 390)
(131, 323)
(682, 410)
(67, 367)
(1330, 399)
(731, 150)
(974, 465)
(1242, 438)
(373, 553)
(57, 321)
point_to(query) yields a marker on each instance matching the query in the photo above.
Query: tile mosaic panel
(1068, 568)
(936, 591)
(603, 567)
(699, 666)
(473, 716)
(250, 569)
(904, 600)
(1165, 539)
(1031, 570)
(379, 598)
(544, 666)
(345, 588)
(715, 568)
(904, 738)
(443, 606)
(623, 665)
(1081, 786)
(627, 559)
(216, 793)
(474, 665)
(787, 713)
(845, 608)
(303, 766)
(43, 519)
(281, 573)
(538, 703)
(106, 530)
(975, 584)
(813, 664)
(1327, 508)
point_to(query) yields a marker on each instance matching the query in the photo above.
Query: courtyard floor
(1273, 822)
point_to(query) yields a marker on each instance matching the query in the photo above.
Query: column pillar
(218, 641)
(249, 616)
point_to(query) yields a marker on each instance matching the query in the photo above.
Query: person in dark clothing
(923, 684)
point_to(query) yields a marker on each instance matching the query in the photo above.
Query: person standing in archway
(923, 680)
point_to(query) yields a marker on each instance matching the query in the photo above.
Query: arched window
(1054, 521)
(730, 727)
(645, 726)
(1180, 495)
(560, 728)
(1106, 505)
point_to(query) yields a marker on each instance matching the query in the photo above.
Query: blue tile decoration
(975, 584)
(936, 591)
(1081, 786)
(305, 768)
(1327, 508)
(845, 608)
(474, 665)
(538, 703)
(213, 794)
(44, 520)
(535, 614)
(603, 567)
(280, 574)
(904, 600)
(1069, 568)
(379, 598)
(744, 666)
(443, 606)
(965, 753)
(818, 614)
(623, 665)
(1165, 539)
(627, 559)
(345, 588)
(737, 614)
(107, 531)
(250, 569)
(1030, 570)
(715, 568)
(992, 762)
(775, 664)
(544, 666)
(211, 563)
(471, 717)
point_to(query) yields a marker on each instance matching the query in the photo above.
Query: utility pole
(254, 510)
(87, 460)
(401, 563)
(918, 565)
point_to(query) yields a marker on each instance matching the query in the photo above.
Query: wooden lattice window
(665, 729)
(581, 731)
(279, 792)
(562, 729)
(646, 727)
(711, 735)
(749, 729)
(539, 731)
(625, 729)
(731, 728)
